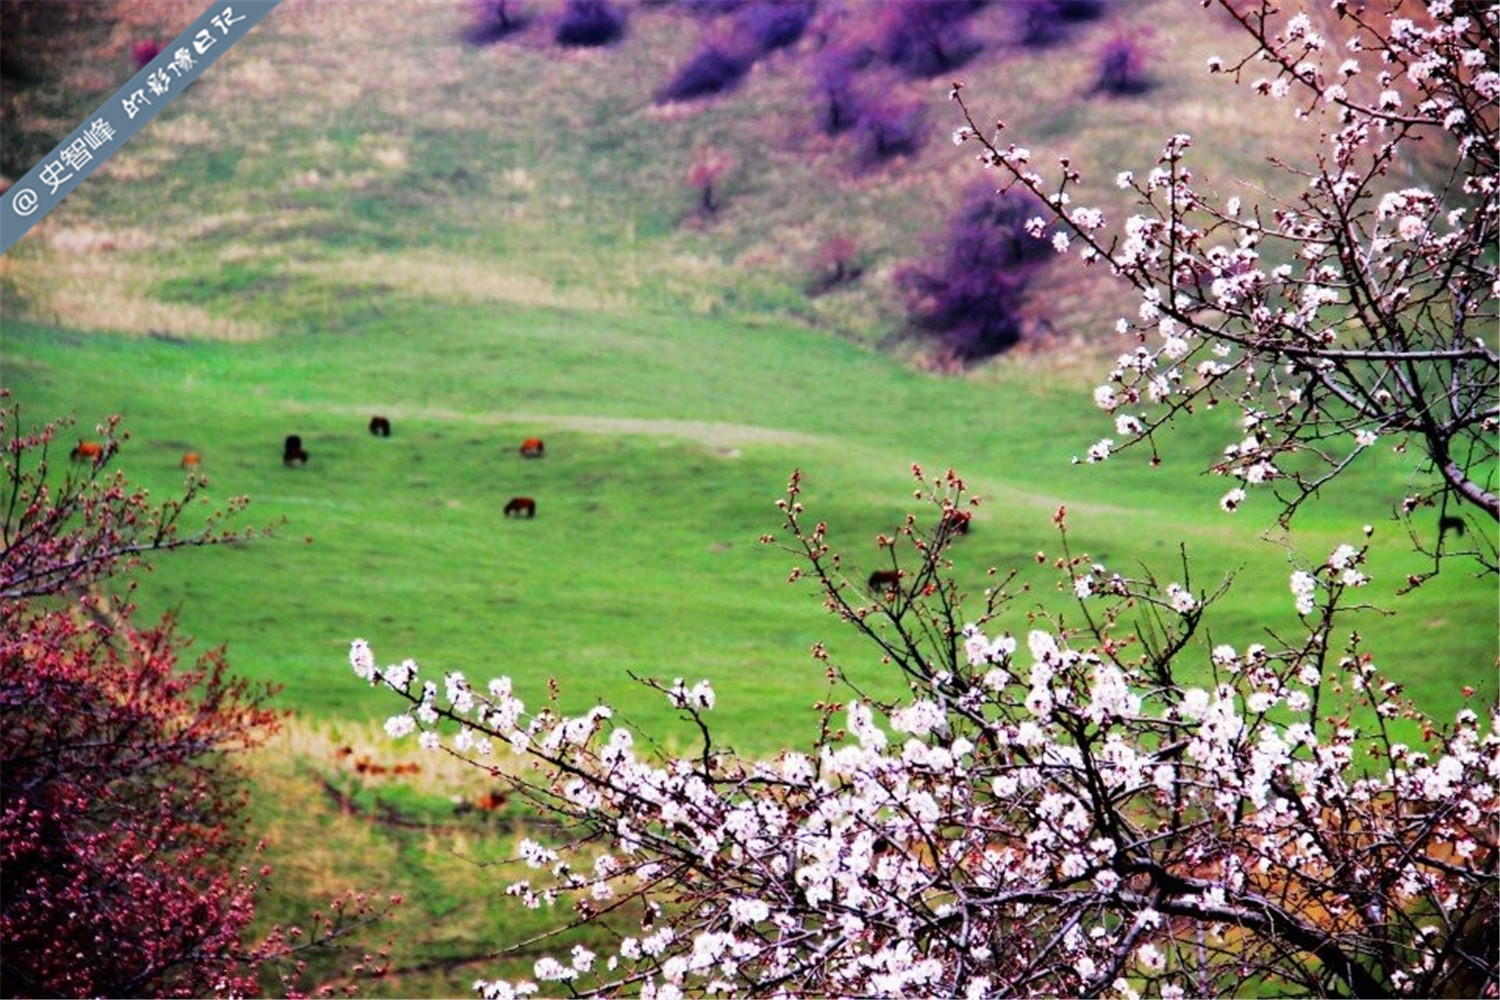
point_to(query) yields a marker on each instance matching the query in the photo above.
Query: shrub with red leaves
(142, 52)
(835, 263)
(121, 821)
(708, 167)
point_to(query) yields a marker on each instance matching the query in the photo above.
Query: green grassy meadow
(644, 555)
(357, 214)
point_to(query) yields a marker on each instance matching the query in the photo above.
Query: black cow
(292, 452)
(380, 427)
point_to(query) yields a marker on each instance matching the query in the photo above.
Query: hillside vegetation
(347, 154)
(359, 212)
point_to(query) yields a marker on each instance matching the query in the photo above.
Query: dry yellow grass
(92, 280)
(448, 277)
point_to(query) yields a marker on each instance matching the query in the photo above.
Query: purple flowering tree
(888, 129)
(494, 20)
(712, 69)
(1121, 67)
(926, 39)
(970, 297)
(838, 103)
(589, 24)
(774, 24)
(1356, 314)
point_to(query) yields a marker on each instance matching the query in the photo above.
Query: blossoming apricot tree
(1359, 311)
(1107, 802)
(1088, 809)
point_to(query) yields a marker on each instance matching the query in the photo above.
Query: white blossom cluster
(1047, 818)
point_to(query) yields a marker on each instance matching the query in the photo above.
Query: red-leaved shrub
(121, 820)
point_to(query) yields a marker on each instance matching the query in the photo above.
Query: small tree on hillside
(1042, 23)
(589, 24)
(1359, 312)
(838, 103)
(927, 39)
(494, 20)
(888, 129)
(1121, 67)
(836, 262)
(143, 51)
(708, 167)
(774, 24)
(712, 69)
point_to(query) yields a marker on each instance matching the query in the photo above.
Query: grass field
(644, 555)
(500, 246)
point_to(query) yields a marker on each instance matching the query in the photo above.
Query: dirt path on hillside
(711, 433)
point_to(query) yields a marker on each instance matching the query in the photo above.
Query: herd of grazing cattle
(294, 454)
(884, 583)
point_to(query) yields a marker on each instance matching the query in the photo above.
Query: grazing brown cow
(380, 427)
(191, 460)
(292, 452)
(491, 801)
(1450, 522)
(521, 507)
(532, 448)
(87, 451)
(883, 580)
(364, 765)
